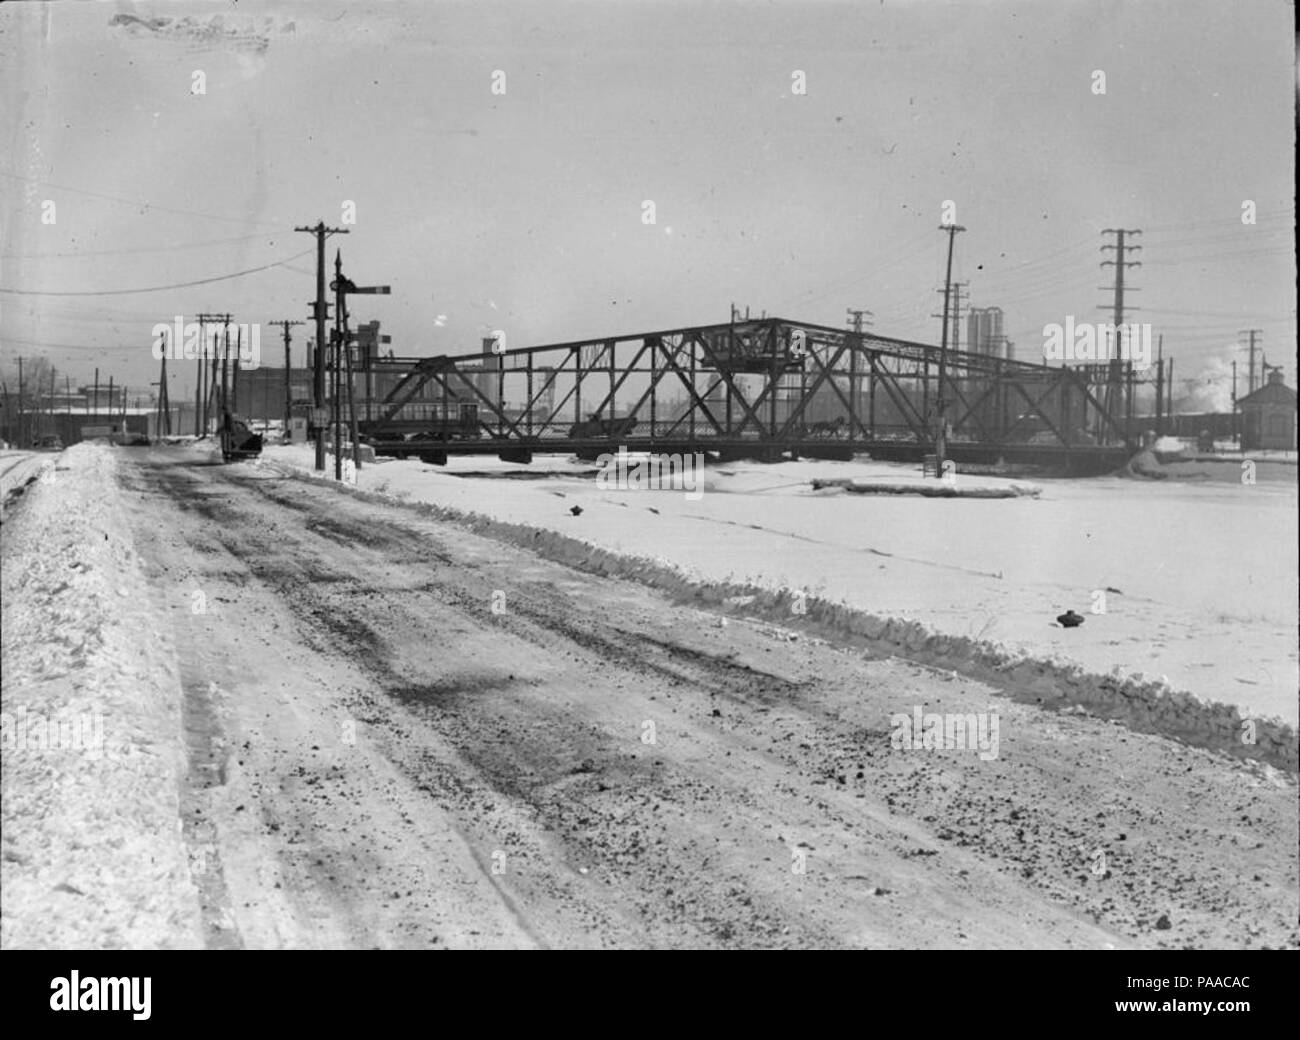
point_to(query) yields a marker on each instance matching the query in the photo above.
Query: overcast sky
(523, 211)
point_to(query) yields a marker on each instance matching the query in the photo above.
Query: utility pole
(201, 391)
(340, 324)
(343, 349)
(346, 346)
(855, 318)
(1114, 375)
(219, 356)
(210, 396)
(1160, 387)
(200, 397)
(50, 403)
(1251, 385)
(343, 287)
(940, 440)
(163, 419)
(234, 371)
(855, 391)
(1234, 401)
(198, 387)
(957, 288)
(288, 389)
(223, 412)
(1169, 398)
(22, 443)
(318, 312)
(208, 377)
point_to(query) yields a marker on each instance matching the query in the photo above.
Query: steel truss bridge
(763, 388)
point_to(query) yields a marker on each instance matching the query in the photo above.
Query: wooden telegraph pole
(319, 313)
(343, 287)
(940, 440)
(288, 388)
(163, 417)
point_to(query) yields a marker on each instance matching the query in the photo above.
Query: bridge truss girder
(749, 381)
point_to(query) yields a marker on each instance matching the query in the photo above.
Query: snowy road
(401, 734)
(18, 469)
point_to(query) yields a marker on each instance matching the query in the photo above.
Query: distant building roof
(103, 412)
(1273, 392)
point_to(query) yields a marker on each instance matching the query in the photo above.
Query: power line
(1213, 222)
(134, 202)
(60, 346)
(75, 254)
(156, 288)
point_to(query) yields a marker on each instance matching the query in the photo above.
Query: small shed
(1268, 416)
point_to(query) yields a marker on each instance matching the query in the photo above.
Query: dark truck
(595, 427)
(238, 441)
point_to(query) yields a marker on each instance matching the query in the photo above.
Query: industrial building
(1268, 416)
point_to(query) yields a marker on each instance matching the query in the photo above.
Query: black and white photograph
(650, 475)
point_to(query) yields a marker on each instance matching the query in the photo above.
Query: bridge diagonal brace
(825, 371)
(550, 379)
(971, 410)
(687, 413)
(491, 405)
(1103, 412)
(655, 380)
(613, 393)
(554, 417)
(408, 386)
(694, 398)
(751, 411)
(960, 398)
(905, 407)
(1035, 410)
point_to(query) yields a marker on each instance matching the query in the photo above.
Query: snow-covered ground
(1191, 580)
(92, 745)
(1227, 450)
(159, 792)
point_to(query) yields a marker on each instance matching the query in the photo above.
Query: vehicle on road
(597, 427)
(238, 441)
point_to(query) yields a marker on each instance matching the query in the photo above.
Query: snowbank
(92, 746)
(928, 489)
